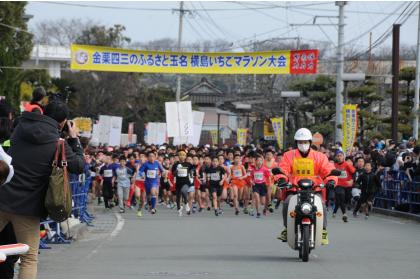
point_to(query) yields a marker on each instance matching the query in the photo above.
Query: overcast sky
(238, 22)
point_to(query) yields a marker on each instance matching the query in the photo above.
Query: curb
(397, 214)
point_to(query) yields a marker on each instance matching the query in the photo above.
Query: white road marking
(119, 226)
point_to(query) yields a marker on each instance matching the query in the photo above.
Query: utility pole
(340, 70)
(395, 80)
(417, 86)
(370, 54)
(255, 75)
(181, 17)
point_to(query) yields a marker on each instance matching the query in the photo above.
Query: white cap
(303, 134)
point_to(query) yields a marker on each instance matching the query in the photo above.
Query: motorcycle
(304, 216)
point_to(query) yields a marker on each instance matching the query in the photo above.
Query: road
(205, 246)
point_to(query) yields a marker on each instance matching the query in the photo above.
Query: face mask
(303, 147)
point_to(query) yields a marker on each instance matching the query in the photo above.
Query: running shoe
(153, 211)
(139, 213)
(333, 215)
(245, 211)
(180, 212)
(220, 211)
(188, 213)
(345, 218)
(277, 204)
(324, 240)
(367, 216)
(187, 207)
(283, 235)
(355, 214)
(200, 210)
(208, 208)
(216, 213)
(236, 212)
(122, 210)
(173, 205)
(270, 208)
(265, 212)
(168, 206)
(258, 215)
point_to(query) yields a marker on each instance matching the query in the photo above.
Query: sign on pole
(278, 130)
(350, 123)
(179, 118)
(198, 118)
(241, 134)
(130, 132)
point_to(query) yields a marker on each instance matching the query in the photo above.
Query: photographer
(33, 145)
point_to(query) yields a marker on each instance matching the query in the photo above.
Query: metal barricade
(80, 185)
(398, 192)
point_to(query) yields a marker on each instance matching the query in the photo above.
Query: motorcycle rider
(305, 163)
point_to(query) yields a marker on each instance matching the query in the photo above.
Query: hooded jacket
(33, 145)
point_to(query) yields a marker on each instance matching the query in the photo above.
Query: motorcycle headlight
(306, 208)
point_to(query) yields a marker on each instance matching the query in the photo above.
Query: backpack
(58, 200)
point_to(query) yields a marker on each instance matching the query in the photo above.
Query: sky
(238, 22)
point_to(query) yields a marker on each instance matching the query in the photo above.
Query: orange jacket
(315, 167)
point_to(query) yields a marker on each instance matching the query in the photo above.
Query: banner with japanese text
(241, 134)
(278, 130)
(84, 125)
(350, 123)
(214, 139)
(96, 58)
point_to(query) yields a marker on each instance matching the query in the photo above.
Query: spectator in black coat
(33, 144)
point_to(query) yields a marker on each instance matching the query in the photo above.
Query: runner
(122, 177)
(140, 189)
(216, 176)
(183, 174)
(106, 175)
(270, 163)
(151, 168)
(204, 186)
(261, 178)
(238, 181)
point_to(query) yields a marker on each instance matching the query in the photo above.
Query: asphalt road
(229, 246)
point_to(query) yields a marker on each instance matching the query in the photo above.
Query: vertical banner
(130, 132)
(241, 136)
(350, 123)
(214, 136)
(278, 130)
(268, 131)
(156, 133)
(198, 118)
(84, 125)
(179, 118)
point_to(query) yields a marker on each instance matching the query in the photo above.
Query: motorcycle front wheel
(305, 243)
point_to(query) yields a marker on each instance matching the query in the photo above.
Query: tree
(61, 32)
(15, 47)
(365, 96)
(318, 109)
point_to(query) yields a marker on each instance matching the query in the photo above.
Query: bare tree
(61, 32)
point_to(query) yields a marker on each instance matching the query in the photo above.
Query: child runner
(151, 169)
(270, 163)
(238, 180)
(106, 175)
(122, 177)
(140, 190)
(204, 187)
(182, 172)
(216, 177)
(261, 178)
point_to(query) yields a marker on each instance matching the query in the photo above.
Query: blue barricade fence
(80, 185)
(398, 192)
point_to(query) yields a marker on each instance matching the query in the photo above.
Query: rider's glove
(330, 185)
(281, 183)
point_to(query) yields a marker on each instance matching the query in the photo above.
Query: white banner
(156, 133)
(110, 130)
(179, 118)
(198, 118)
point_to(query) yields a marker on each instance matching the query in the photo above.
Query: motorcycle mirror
(277, 171)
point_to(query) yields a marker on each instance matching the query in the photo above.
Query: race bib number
(92, 174)
(182, 172)
(215, 176)
(108, 173)
(258, 176)
(237, 173)
(151, 174)
(303, 167)
(343, 174)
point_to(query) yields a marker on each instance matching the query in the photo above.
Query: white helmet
(303, 134)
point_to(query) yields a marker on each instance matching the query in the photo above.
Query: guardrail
(399, 193)
(80, 185)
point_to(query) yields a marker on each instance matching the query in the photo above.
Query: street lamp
(284, 95)
(351, 77)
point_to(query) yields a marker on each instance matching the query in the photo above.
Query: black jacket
(369, 183)
(33, 145)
